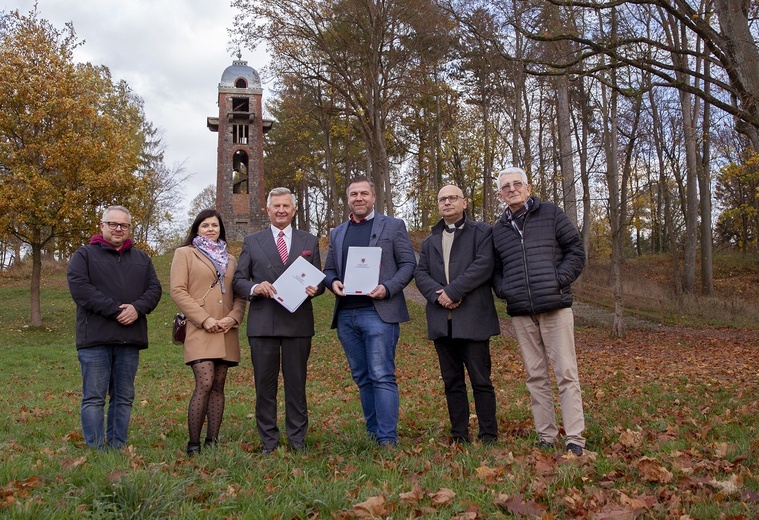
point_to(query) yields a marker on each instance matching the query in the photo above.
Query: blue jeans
(110, 370)
(369, 344)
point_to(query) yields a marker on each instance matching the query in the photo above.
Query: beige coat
(192, 273)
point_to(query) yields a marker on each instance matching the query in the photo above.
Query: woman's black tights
(207, 400)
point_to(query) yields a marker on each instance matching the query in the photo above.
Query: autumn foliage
(70, 139)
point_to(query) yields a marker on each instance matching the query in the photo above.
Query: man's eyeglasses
(113, 226)
(517, 185)
(449, 198)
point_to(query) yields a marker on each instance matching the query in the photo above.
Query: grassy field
(671, 415)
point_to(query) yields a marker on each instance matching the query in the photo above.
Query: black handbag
(180, 320)
(180, 328)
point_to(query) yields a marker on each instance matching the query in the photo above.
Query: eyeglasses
(517, 185)
(449, 198)
(113, 226)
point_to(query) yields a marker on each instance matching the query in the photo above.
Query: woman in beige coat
(201, 286)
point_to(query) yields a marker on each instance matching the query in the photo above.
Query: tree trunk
(704, 184)
(36, 309)
(566, 153)
(743, 56)
(334, 211)
(612, 179)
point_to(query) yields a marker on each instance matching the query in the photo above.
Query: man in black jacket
(539, 254)
(114, 286)
(453, 274)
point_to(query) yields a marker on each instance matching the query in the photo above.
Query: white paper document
(291, 285)
(362, 268)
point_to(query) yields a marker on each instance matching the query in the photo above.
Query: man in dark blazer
(276, 335)
(368, 325)
(455, 267)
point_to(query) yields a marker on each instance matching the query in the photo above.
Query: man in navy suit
(276, 335)
(368, 325)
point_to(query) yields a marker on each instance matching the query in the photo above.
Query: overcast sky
(171, 52)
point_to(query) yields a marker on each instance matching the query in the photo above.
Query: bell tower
(240, 192)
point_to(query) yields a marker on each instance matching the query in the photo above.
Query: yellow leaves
(68, 147)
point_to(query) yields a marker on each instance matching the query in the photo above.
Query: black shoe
(209, 442)
(267, 451)
(461, 440)
(300, 449)
(574, 449)
(193, 448)
(545, 445)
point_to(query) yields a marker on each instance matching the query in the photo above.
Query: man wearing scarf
(114, 287)
(538, 254)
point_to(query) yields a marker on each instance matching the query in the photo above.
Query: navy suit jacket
(260, 262)
(397, 265)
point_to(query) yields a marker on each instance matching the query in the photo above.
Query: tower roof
(237, 71)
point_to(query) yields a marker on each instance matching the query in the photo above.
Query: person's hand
(265, 289)
(311, 291)
(210, 324)
(225, 324)
(444, 300)
(128, 314)
(378, 292)
(337, 288)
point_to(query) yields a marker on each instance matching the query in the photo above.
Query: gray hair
(281, 191)
(107, 210)
(511, 170)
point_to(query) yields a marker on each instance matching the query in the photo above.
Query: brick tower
(240, 193)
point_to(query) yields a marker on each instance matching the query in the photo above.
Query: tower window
(241, 83)
(240, 105)
(240, 172)
(240, 134)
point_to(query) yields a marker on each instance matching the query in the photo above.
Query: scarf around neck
(216, 252)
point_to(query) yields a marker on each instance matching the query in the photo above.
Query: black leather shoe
(209, 442)
(544, 445)
(267, 451)
(193, 448)
(300, 449)
(574, 449)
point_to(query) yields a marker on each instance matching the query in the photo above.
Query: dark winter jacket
(534, 273)
(100, 279)
(470, 269)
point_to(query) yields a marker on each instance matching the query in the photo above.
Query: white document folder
(362, 268)
(291, 285)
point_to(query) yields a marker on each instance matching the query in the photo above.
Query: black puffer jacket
(100, 279)
(534, 273)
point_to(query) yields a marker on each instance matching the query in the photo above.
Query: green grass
(700, 427)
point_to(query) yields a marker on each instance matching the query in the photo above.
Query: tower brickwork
(240, 190)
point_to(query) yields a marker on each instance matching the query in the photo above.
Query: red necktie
(281, 246)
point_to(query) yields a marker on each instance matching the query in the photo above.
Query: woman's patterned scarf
(216, 253)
